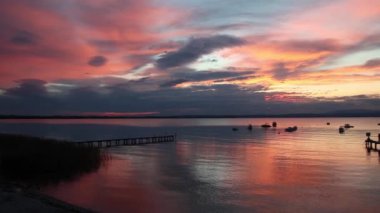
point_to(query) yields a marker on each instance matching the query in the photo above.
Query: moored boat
(291, 129)
(266, 126)
(347, 126)
(250, 127)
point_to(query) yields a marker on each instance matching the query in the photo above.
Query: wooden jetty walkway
(128, 141)
(371, 144)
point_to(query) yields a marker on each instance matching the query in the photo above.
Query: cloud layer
(195, 48)
(33, 97)
(189, 57)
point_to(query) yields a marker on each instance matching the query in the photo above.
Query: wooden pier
(128, 141)
(370, 144)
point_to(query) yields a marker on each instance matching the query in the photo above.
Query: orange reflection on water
(128, 193)
(214, 169)
(298, 181)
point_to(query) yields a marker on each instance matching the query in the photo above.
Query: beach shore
(17, 199)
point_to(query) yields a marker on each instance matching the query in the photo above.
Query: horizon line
(294, 115)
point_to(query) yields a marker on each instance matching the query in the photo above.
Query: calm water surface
(213, 169)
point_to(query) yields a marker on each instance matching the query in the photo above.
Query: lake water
(214, 169)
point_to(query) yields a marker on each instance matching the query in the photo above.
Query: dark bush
(41, 161)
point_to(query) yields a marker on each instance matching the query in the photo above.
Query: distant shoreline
(191, 116)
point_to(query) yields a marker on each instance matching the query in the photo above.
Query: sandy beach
(16, 199)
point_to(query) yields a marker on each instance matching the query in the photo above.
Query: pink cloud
(344, 20)
(65, 31)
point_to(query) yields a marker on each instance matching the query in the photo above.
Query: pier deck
(128, 141)
(371, 144)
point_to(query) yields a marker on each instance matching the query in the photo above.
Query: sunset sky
(186, 57)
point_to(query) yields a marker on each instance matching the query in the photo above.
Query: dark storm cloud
(359, 102)
(97, 61)
(198, 76)
(23, 37)
(195, 48)
(372, 63)
(32, 97)
(28, 88)
(92, 81)
(240, 78)
(213, 99)
(210, 75)
(173, 83)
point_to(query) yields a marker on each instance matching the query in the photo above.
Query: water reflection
(371, 150)
(213, 169)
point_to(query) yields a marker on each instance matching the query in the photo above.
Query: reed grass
(41, 161)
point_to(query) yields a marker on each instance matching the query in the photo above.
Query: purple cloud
(195, 48)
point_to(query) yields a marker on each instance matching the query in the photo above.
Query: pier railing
(371, 144)
(128, 141)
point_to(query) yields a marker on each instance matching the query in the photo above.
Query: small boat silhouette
(347, 126)
(328, 123)
(235, 129)
(341, 130)
(291, 129)
(250, 127)
(266, 126)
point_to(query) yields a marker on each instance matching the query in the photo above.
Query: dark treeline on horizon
(296, 115)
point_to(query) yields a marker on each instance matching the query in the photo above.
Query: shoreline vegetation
(39, 161)
(28, 163)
